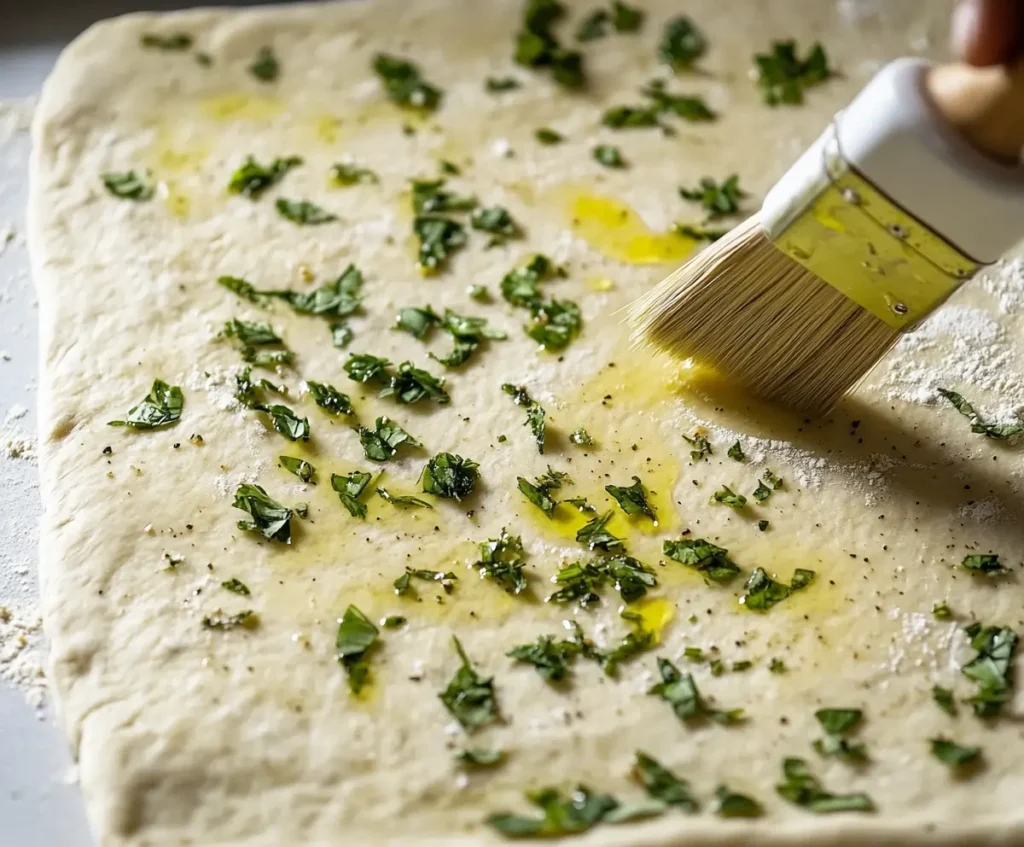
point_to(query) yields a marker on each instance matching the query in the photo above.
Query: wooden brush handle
(985, 104)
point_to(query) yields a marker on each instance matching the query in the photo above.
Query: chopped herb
(362, 367)
(943, 698)
(837, 723)
(356, 636)
(783, 76)
(681, 44)
(497, 221)
(439, 237)
(632, 499)
(742, 665)
(706, 557)
(609, 156)
(350, 488)
(470, 697)
(302, 510)
(630, 578)
(382, 442)
(730, 804)
(539, 492)
(986, 563)
(204, 59)
(551, 658)
(762, 525)
(719, 201)
(450, 476)
(596, 537)
(328, 397)
(265, 66)
(236, 586)
(445, 579)
(548, 137)
(250, 333)
(630, 117)
(252, 178)
(991, 669)
(535, 414)
(802, 788)
(661, 784)
(496, 85)
(402, 500)
(269, 518)
(727, 497)
(247, 392)
(762, 492)
(635, 642)
(411, 384)
(626, 18)
(761, 592)
(502, 559)
(394, 621)
(469, 333)
(404, 85)
(580, 584)
(479, 293)
(593, 26)
(777, 666)
(242, 288)
(702, 447)
(175, 42)
(776, 482)
(303, 212)
(349, 173)
(161, 407)
(698, 233)
(581, 438)
(429, 197)
(247, 619)
(341, 335)
(680, 691)
(286, 422)
(538, 47)
(127, 186)
(941, 611)
(449, 168)
(692, 109)
(580, 811)
(736, 452)
(520, 287)
(300, 467)
(417, 322)
(555, 323)
(480, 757)
(953, 754)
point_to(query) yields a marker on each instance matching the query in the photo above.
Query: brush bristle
(755, 315)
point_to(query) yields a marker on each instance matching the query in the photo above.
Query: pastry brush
(913, 188)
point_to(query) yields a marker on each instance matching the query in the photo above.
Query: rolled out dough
(192, 736)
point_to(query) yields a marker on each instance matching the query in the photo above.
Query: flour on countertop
(22, 655)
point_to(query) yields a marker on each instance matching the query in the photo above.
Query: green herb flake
(687, 107)
(497, 221)
(838, 723)
(300, 467)
(336, 299)
(329, 398)
(762, 525)
(252, 178)
(593, 26)
(347, 174)
(761, 592)
(246, 619)
(445, 579)
(777, 666)
(429, 197)
(341, 335)
(362, 367)
(470, 697)
(411, 384)
(381, 443)
(539, 492)
(555, 324)
(176, 42)
(286, 422)
(303, 212)
(548, 137)
(991, 669)
(265, 66)
(402, 501)
(681, 44)
(270, 519)
(698, 233)
(404, 85)
(161, 407)
(538, 47)
(356, 637)
(535, 413)
(502, 559)
(943, 698)
(580, 811)
(727, 497)
(128, 186)
(630, 578)
(736, 452)
(469, 334)
(630, 117)
(801, 788)
(680, 691)
(596, 537)
(609, 156)
(350, 488)
(984, 563)
(581, 438)
(718, 200)
(439, 238)
(236, 586)
(250, 333)
(731, 804)
(632, 645)
(549, 657)
(783, 76)
(479, 293)
(481, 757)
(941, 611)
(661, 784)
(626, 18)
(417, 321)
(953, 754)
(242, 288)
(580, 583)
(499, 84)
(701, 447)
(394, 621)
(450, 476)
(632, 499)
(705, 557)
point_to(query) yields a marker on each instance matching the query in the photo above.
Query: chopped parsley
(661, 784)
(632, 645)
(481, 757)
(348, 173)
(580, 811)
(704, 556)
(783, 76)
(595, 535)
(382, 442)
(341, 335)
(941, 611)
(404, 500)
(265, 66)
(727, 497)
(581, 438)
(479, 293)
(991, 669)
(445, 579)
(362, 367)
(777, 665)
(548, 137)
(356, 637)
(470, 697)
(837, 723)
(236, 586)
(689, 108)
(953, 754)
(450, 476)
(718, 200)
(468, 333)
(736, 452)
(535, 413)
(539, 492)
(252, 178)
(498, 84)
(328, 397)
(761, 592)
(416, 321)
(630, 578)
(984, 563)
(161, 407)
(497, 221)
(680, 691)
(538, 47)
(270, 519)
(731, 804)
(580, 583)
(632, 499)
(175, 42)
(394, 621)
(630, 117)
(698, 233)
(701, 447)
(350, 488)
(593, 26)
(336, 299)
(411, 384)
(943, 698)
(300, 467)
(801, 788)
(303, 212)
(554, 323)
(286, 422)
(681, 44)
(250, 333)
(242, 288)
(502, 559)
(128, 186)
(551, 658)
(429, 197)
(767, 485)
(439, 237)
(404, 84)
(246, 619)
(609, 156)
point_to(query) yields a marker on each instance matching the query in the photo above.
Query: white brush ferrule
(893, 135)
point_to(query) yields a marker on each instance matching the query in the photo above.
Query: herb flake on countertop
(127, 185)
(286, 422)
(470, 697)
(549, 657)
(270, 519)
(265, 66)
(251, 179)
(417, 321)
(705, 557)
(381, 443)
(497, 221)
(502, 559)
(356, 637)
(681, 44)
(725, 496)
(450, 476)
(337, 299)
(535, 413)
(632, 499)
(688, 107)
(801, 788)
(350, 487)
(161, 407)
(783, 76)
(469, 333)
(499, 84)
(731, 804)
(404, 84)
(581, 438)
(736, 452)
(680, 692)
(300, 467)
(718, 200)
(698, 233)
(430, 198)
(303, 212)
